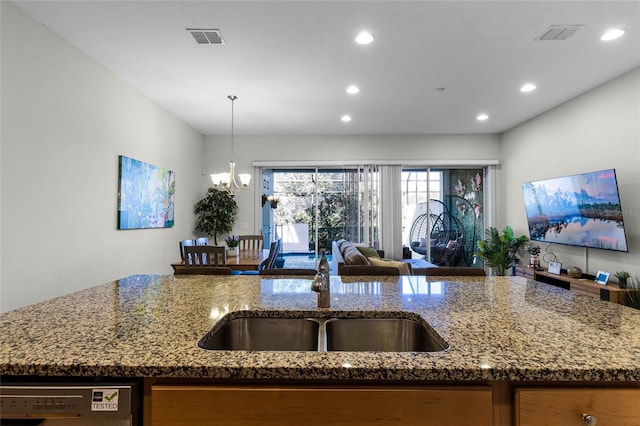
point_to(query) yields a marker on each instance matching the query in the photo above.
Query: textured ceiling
(289, 62)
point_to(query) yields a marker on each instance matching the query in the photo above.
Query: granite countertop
(498, 328)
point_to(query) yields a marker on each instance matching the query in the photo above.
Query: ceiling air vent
(206, 36)
(559, 32)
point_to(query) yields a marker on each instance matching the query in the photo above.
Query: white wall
(65, 120)
(331, 148)
(597, 130)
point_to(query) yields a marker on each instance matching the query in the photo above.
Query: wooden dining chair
(270, 261)
(289, 271)
(461, 271)
(251, 242)
(202, 241)
(183, 244)
(203, 270)
(205, 256)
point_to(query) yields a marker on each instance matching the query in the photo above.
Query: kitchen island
(505, 334)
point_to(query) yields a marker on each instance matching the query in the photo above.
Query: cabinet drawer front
(587, 291)
(205, 405)
(563, 406)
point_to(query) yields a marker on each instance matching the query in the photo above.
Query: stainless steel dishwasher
(72, 404)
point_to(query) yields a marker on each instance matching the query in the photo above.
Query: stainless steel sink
(323, 334)
(380, 335)
(264, 334)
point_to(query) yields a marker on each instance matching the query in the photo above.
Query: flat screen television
(579, 210)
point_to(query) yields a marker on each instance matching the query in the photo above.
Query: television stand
(586, 286)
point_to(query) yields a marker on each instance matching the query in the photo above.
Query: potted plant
(215, 213)
(233, 241)
(499, 249)
(633, 295)
(534, 252)
(622, 277)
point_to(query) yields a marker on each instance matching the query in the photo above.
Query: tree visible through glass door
(328, 201)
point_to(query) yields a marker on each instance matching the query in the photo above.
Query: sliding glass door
(316, 206)
(443, 214)
(442, 209)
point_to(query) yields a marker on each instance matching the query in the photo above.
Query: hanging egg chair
(445, 235)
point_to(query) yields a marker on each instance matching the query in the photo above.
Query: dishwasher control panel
(41, 405)
(109, 403)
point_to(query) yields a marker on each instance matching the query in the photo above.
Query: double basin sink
(283, 333)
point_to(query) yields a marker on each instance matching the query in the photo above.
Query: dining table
(245, 260)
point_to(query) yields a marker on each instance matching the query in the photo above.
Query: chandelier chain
(232, 98)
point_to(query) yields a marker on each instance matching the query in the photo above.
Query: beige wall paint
(597, 130)
(65, 120)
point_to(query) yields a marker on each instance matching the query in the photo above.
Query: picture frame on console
(555, 267)
(602, 277)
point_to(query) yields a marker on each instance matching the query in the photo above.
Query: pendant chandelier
(227, 181)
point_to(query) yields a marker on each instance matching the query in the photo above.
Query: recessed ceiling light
(482, 117)
(529, 87)
(346, 118)
(612, 34)
(364, 38)
(353, 90)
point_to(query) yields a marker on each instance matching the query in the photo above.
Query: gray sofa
(346, 253)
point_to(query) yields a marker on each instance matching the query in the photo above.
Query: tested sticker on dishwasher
(104, 399)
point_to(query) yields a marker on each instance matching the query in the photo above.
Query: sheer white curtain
(391, 210)
(369, 205)
(352, 214)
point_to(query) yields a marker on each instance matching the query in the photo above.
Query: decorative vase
(497, 271)
(232, 251)
(534, 262)
(574, 272)
(622, 282)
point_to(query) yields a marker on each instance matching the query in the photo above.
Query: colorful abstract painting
(146, 195)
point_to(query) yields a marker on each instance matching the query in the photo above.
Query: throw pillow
(368, 251)
(403, 267)
(344, 245)
(353, 257)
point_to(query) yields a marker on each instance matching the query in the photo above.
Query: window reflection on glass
(421, 287)
(298, 285)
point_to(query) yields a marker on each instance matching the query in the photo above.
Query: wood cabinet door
(564, 406)
(219, 405)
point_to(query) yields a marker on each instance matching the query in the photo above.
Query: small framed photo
(602, 277)
(555, 267)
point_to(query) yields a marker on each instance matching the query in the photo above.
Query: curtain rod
(312, 163)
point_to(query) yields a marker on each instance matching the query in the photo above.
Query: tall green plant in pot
(215, 213)
(500, 250)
